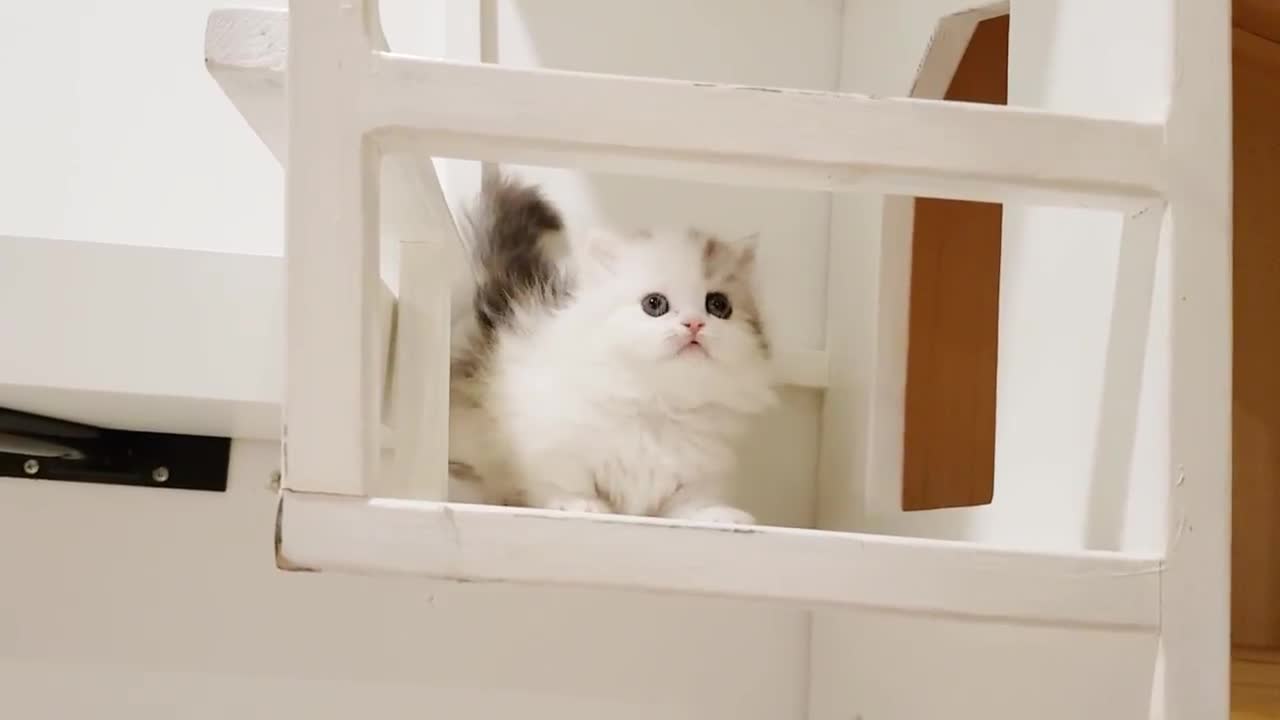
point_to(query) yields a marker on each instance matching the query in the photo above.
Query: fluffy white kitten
(604, 373)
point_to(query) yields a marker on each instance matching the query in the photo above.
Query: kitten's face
(680, 303)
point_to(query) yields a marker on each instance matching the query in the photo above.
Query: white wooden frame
(1195, 643)
(350, 101)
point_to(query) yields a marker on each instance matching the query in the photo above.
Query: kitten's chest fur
(646, 457)
(632, 451)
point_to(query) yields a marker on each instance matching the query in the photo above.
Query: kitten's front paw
(720, 514)
(579, 504)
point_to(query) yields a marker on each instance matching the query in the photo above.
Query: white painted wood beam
(418, 394)
(245, 51)
(806, 567)
(1193, 682)
(333, 373)
(768, 136)
(781, 137)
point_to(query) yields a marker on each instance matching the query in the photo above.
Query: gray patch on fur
(513, 221)
(514, 229)
(727, 270)
(757, 327)
(604, 494)
(463, 472)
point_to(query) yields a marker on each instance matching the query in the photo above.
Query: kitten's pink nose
(694, 326)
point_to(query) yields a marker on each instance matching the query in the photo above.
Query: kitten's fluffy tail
(513, 228)
(510, 220)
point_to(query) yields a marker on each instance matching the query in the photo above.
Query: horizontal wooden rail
(720, 133)
(807, 567)
(766, 136)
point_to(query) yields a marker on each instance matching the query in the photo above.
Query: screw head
(31, 467)
(160, 474)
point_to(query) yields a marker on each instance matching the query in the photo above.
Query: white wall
(137, 603)
(113, 132)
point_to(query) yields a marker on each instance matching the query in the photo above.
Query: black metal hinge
(50, 449)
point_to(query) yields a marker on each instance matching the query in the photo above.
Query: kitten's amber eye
(718, 304)
(655, 304)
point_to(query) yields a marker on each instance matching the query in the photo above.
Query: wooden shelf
(322, 532)
(144, 338)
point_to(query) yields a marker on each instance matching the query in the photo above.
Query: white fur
(592, 403)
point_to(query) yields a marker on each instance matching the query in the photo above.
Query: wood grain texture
(1259, 17)
(1255, 611)
(1255, 686)
(949, 439)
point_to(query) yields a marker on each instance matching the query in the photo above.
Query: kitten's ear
(746, 247)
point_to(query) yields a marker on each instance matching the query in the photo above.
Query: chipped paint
(283, 563)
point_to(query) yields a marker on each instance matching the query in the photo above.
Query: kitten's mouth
(693, 347)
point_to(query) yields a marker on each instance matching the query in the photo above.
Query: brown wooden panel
(1255, 547)
(949, 440)
(1259, 17)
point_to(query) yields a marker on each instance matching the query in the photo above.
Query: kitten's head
(679, 308)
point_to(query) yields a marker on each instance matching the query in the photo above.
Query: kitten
(605, 372)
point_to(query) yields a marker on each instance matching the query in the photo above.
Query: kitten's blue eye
(655, 304)
(718, 304)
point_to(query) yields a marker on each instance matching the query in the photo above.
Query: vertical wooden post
(331, 416)
(1195, 611)
(420, 381)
